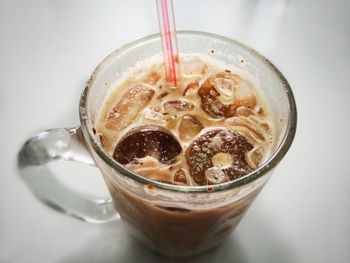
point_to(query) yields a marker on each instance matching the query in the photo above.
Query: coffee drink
(214, 127)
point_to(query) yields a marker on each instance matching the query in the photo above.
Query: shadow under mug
(174, 220)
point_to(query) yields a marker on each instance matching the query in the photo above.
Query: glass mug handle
(61, 145)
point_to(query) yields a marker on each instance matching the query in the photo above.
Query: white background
(48, 48)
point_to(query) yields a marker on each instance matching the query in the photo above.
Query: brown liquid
(178, 229)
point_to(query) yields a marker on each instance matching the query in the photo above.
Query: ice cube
(151, 168)
(254, 157)
(148, 140)
(245, 95)
(171, 122)
(249, 128)
(176, 106)
(225, 86)
(180, 177)
(245, 111)
(129, 106)
(191, 87)
(151, 116)
(189, 127)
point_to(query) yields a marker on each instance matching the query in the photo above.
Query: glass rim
(268, 165)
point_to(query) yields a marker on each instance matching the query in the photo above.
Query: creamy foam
(182, 112)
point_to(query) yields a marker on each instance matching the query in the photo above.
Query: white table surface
(48, 50)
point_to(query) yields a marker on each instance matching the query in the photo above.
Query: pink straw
(169, 42)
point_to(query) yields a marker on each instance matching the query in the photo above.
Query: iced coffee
(212, 128)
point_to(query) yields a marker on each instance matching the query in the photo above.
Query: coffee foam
(256, 127)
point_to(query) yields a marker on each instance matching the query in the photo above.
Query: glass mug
(174, 220)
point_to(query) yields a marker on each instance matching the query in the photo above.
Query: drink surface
(213, 127)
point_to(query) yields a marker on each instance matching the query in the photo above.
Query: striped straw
(169, 42)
